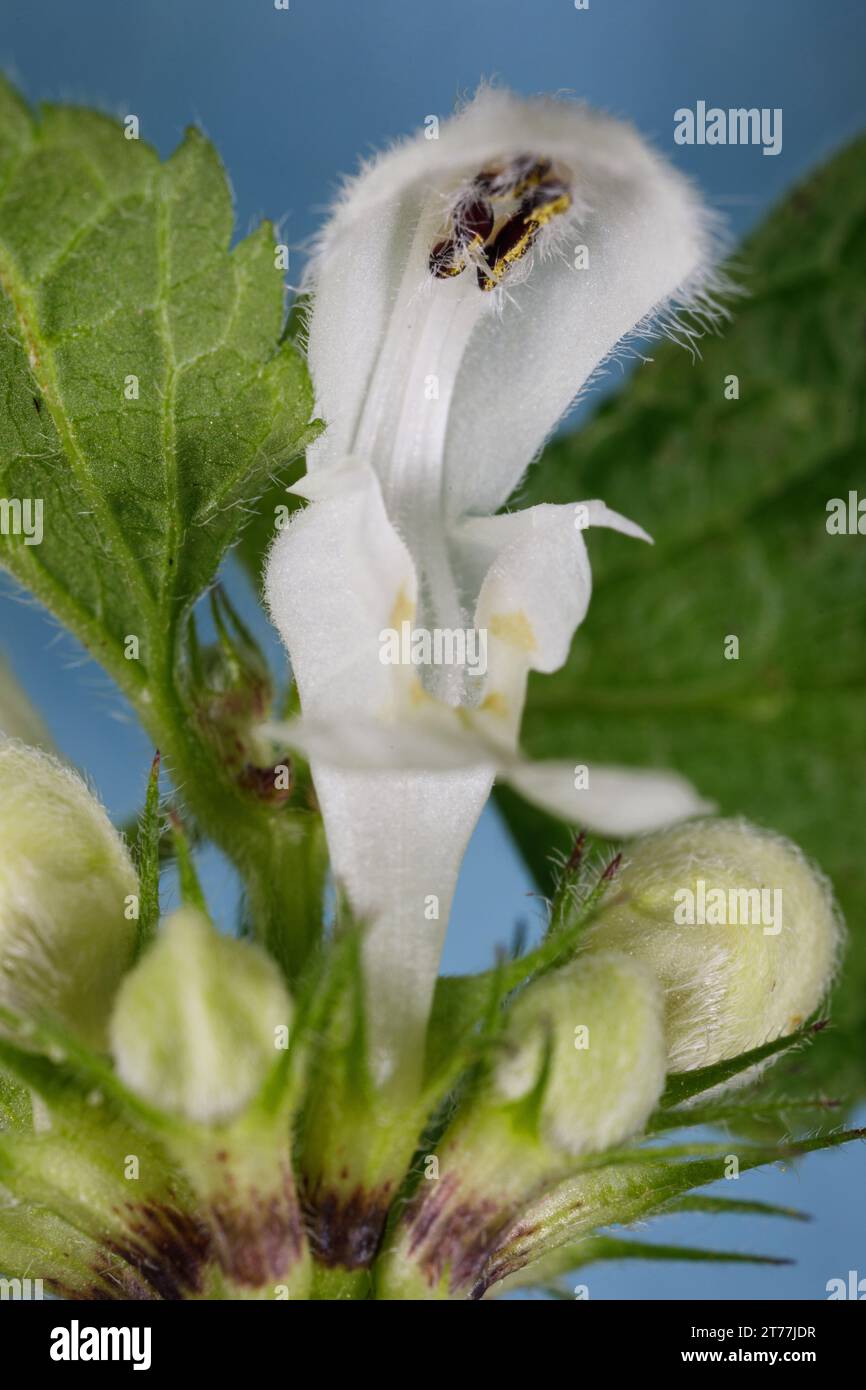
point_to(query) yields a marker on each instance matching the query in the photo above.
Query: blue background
(291, 99)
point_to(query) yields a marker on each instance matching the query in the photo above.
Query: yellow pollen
(515, 629)
(495, 703)
(540, 216)
(403, 610)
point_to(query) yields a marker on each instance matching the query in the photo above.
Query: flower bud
(67, 895)
(199, 1020)
(585, 1044)
(601, 1019)
(740, 929)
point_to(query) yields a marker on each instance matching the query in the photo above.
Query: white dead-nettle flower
(741, 930)
(198, 1021)
(67, 895)
(452, 324)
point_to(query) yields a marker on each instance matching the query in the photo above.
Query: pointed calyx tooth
(68, 896)
(740, 929)
(590, 1036)
(199, 1021)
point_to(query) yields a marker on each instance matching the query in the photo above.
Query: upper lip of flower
(451, 391)
(437, 390)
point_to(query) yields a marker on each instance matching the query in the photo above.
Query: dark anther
(446, 259)
(511, 242)
(473, 221)
(514, 179)
(528, 172)
(527, 181)
(545, 201)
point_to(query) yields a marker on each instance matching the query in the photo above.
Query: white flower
(464, 291)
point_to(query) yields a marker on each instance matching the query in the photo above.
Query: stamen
(531, 173)
(510, 244)
(515, 237)
(446, 258)
(515, 178)
(540, 195)
(473, 222)
(547, 201)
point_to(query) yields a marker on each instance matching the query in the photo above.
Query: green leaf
(16, 1111)
(148, 398)
(735, 493)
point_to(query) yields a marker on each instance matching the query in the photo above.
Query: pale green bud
(68, 903)
(199, 1021)
(740, 929)
(601, 1018)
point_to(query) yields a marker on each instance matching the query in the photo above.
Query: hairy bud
(740, 929)
(199, 1020)
(591, 1034)
(67, 894)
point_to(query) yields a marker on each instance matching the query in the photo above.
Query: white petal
(612, 800)
(381, 326)
(431, 741)
(534, 594)
(397, 841)
(646, 237)
(615, 801)
(336, 576)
